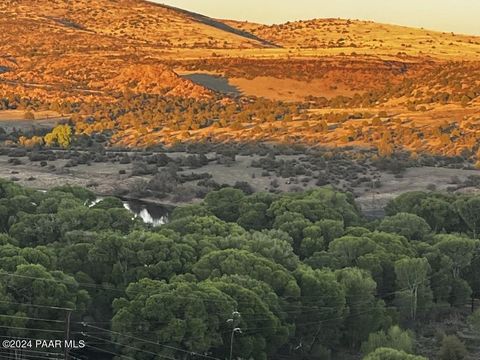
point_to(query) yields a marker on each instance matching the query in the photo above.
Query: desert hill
(364, 37)
(130, 65)
(80, 49)
(155, 80)
(124, 22)
(76, 49)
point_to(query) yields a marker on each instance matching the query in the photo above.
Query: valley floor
(104, 178)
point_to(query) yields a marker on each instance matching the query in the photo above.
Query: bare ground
(104, 178)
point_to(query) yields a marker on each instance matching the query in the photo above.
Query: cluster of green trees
(261, 276)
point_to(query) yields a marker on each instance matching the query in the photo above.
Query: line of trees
(261, 276)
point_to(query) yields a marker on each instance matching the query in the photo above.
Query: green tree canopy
(391, 354)
(225, 203)
(33, 292)
(469, 210)
(366, 313)
(394, 338)
(241, 262)
(411, 226)
(412, 280)
(323, 309)
(452, 349)
(187, 317)
(459, 250)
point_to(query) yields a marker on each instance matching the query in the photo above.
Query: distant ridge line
(203, 19)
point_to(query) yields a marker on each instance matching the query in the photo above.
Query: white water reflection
(147, 213)
(154, 214)
(150, 213)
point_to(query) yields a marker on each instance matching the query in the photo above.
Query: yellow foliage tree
(61, 135)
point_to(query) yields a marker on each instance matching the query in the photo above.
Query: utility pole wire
(67, 335)
(152, 342)
(234, 321)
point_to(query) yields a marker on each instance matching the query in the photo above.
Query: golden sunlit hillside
(180, 185)
(123, 22)
(81, 49)
(364, 37)
(73, 48)
(150, 73)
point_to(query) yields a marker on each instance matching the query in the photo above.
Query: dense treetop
(298, 275)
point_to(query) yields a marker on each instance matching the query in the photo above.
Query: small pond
(150, 213)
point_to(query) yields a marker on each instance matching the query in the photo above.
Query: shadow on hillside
(222, 26)
(214, 82)
(67, 23)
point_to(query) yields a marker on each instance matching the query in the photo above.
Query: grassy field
(10, 119)
(106, 178)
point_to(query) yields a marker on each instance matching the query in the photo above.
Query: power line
(52, 280)
(6, 357)
(246, 331)
(41, 353)
(109, 352)
(35, 305)
(252, 318)
(130, 347)
(14, 357)
(197, 298)
(326, 310)
(110, 288)
(22, 328)
(30, 318)
(343, 317)
(16, 337)
(67, 334)
(153, 343)
(35, 354)
(311, 309)
(75, 357)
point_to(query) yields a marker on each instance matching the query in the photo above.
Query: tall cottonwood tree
(412, 274)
